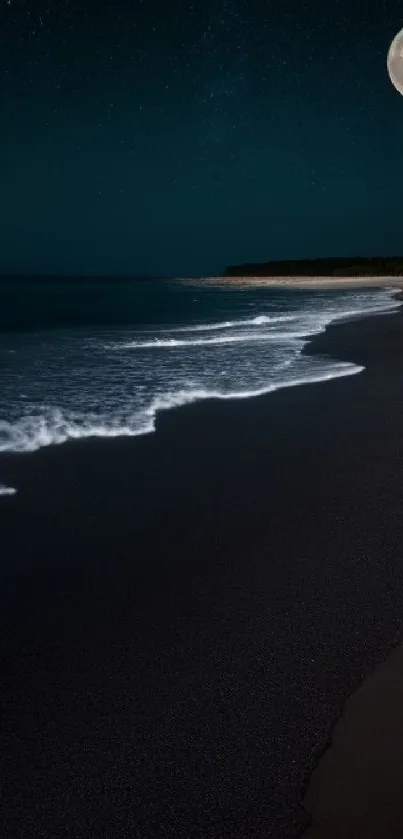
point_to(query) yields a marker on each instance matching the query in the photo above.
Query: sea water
(82, 358)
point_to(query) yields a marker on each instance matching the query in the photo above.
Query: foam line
(4, 490)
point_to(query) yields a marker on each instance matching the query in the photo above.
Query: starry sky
(163, 138)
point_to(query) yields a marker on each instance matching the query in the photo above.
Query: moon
(395, 61)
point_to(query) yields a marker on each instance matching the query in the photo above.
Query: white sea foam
(54, 427)
(94, 392)
(349, 314)
(4, 490)
(245, 338)
(259, 320)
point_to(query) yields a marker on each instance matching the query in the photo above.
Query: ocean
(84, 358)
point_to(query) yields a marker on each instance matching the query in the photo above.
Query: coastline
(298, 282)
(247, 597)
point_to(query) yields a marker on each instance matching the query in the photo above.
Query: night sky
(171, 137)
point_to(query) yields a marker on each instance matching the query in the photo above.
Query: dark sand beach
(184, 615)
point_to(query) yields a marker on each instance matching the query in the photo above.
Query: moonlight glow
(395, 62)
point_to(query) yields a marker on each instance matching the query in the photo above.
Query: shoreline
(309, 339)
(221, 582)
(298, 282)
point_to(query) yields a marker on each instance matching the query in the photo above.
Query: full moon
(395, 61)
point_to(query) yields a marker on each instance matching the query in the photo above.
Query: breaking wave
(73, 385)
(259, 320)
(55, 426)
(169, 343)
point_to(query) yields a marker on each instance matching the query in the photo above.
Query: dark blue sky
(156, 137)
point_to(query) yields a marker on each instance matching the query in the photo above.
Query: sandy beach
(299, 282)
(356, 789)
(184, 616)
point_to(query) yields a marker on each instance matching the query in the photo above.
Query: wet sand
(184, 615)
(357, 787)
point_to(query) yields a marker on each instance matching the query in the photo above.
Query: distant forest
(340, 266)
